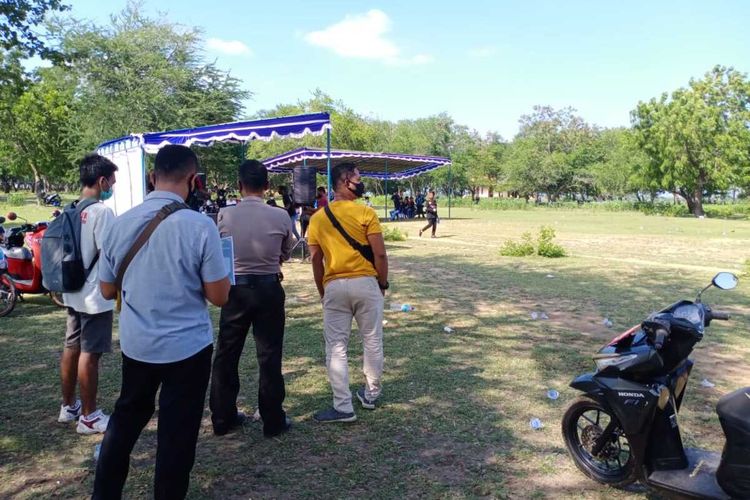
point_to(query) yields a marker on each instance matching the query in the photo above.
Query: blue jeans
(294, 225)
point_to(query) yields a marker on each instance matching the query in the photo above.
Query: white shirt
(95, 223)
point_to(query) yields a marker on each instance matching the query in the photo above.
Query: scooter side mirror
(2, 219)
(725, 281)
(12, 216)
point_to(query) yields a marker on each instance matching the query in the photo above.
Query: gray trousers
(346, 299)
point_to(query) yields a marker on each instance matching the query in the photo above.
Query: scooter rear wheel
(8, 296)
(583, 422)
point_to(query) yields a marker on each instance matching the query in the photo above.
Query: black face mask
(359, 189)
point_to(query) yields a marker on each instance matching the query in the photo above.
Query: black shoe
(287, 426)
(239, 421)
(332, 415)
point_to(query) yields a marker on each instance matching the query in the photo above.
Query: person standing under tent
(165, 261)
(290, 208)
(350, 267)
(321, 200)
(420, 206)
(256, 300)
(432, 214)
(396, 198)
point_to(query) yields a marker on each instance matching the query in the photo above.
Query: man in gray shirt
(262, 238)
(165, 330)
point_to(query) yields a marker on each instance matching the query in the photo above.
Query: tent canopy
(236, 132)
(392, 166)
(128, 152)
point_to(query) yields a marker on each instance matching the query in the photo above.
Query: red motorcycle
(23, 254)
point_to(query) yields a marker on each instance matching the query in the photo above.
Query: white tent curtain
(130, 188)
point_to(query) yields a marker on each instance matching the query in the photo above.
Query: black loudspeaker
(304, 185)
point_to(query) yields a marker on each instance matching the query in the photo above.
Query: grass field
(454, 420)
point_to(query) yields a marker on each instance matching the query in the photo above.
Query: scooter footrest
(698, 480)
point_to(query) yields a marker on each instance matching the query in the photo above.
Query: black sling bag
(365, 250)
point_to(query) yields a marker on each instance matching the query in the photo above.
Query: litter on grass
(707, 384)
(553, 394)
(448, 329)
(608, 323)
(536, 424)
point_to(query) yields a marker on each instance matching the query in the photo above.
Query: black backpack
(62, 262)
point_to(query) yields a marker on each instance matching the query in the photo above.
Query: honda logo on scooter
(631, 395)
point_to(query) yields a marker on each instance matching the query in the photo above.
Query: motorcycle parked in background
(23, 253)
(52, 200)
(7, 288)
(625, 426)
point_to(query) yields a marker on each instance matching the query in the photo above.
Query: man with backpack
(89, 326)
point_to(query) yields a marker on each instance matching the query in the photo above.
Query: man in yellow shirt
(350, 267)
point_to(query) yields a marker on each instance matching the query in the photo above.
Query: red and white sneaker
(92, 424)
(70, 413)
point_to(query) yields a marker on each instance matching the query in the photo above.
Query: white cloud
(229, 47)
(363, 36)
(483, 52)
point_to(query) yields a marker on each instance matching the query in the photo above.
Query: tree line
(138, 74)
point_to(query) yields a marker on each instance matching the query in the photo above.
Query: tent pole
(328, 165)
(385, 208)
(450, 187)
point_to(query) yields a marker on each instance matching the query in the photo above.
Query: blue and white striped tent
(128, 152)
(384, 166)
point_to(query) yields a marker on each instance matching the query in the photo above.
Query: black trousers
(181, 402)
(431, 221)
(261, 306)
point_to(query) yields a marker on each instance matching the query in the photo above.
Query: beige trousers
(361, 299)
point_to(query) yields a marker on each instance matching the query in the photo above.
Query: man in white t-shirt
(89, 327)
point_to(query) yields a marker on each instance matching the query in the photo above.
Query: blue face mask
(105, 195)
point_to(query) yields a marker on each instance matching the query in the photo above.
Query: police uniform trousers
(257, 302)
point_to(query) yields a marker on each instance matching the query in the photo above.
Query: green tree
(549, 154)
(36, 142)
(141, 75)
(697, 138)
(621, 160)
(19, 24)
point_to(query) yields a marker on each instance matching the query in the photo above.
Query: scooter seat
(21, 253)
(734, 409)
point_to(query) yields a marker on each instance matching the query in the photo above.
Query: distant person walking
(256, 300)
(89, 326)
(165, 330)
(432, 214)
(350, 267)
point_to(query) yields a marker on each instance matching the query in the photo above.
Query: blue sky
(484, 62)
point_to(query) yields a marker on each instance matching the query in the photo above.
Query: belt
(253, 279)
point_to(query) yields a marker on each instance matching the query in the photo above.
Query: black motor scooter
(625, 428)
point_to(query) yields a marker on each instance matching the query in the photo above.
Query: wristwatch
(384, 287)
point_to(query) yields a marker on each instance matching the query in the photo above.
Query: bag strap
(80, 206)
(365, 250)
(162, 214)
